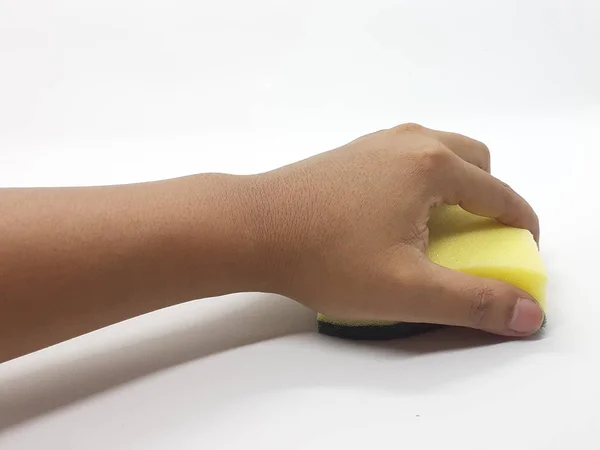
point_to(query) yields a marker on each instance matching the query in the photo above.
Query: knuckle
(435, 157)
(480, 147)
(409, 128)
(508, 195)
(485, 155)
(485, 150)
(481, 305)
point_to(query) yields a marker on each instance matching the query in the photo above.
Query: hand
(344, 232)
(348, 231)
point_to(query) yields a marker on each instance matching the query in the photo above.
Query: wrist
(227, 234)
(275, 227)
(266, 232)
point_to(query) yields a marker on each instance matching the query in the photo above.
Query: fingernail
(527, 316)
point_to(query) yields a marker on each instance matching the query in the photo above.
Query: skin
(343, 232)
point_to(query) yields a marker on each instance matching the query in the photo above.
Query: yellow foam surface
(480, 246)
(483, 247)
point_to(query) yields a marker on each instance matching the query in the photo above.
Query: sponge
(467, 243)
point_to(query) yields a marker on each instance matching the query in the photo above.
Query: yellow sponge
(467, 243)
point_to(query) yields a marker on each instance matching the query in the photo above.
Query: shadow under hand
(419, 365)
(62, 381)
(444, 339)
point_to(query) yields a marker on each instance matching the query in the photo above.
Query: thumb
(495, 306)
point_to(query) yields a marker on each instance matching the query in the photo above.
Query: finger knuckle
(508, 195)
(485, 155)
(485, 150)
(481, 305)
(435, 157)
(409, 128)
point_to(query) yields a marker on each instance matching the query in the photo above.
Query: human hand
(347, 231)
(344, 232)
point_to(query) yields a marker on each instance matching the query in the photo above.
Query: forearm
(73, 260)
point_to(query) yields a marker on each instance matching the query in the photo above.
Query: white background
(113, 91)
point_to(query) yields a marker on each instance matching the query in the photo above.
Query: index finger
(480, 193)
